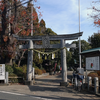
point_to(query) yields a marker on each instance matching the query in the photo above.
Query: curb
(38, 76)
(4, 84)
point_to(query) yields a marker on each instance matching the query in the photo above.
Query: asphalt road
(16, 96)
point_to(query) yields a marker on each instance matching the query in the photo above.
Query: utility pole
(79, 37)
(32, 18)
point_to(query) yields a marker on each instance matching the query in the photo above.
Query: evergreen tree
(75, 52)
(94, 40)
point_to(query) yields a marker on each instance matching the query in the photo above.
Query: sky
(62, 16)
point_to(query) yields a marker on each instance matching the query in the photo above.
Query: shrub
(18, 71)
(38, 71)
(99, 78)
(93, 74)
(13, 80)
(15, 65)
(98, 72)
(43, 71)
(16, 80)
(34, 65)
(9, 69)
(13, 75)
(24, 68)
(15, 71)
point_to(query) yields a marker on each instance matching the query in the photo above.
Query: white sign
(2, 71)
(92, 63)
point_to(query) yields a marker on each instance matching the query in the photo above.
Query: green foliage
(13, 75)
(35, 65)
(18, 71)
(15, 65)
(42, 23)
(94, 40)
(69, 58)
(9, 69)
(24, 68)
(50, 32)
(75, 52)
(41, 68)
(36, 59)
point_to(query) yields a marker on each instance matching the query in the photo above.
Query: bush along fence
(18, 74)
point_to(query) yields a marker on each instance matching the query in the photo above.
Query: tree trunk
(8, 61)
(21, 58)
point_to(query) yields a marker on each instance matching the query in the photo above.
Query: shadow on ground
(52, 85)
(52, 97)
(3, 99)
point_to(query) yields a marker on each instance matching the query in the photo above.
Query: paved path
(48, 88)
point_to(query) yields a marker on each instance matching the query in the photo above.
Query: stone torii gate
(46, 44)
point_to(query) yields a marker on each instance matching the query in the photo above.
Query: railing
(15, 79)
(93, 85)
(89, 84)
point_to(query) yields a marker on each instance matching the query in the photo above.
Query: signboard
(92, 63)
(2, 71)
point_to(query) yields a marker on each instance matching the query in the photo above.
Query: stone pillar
(7, 77)
(33, 73)
(96, 85)
(76, 83)
(86, 77)
(63, 64)
(30, 61)
(89, 82)
(83, 83)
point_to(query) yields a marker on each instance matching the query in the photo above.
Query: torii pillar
(30, 62)
(63, 63)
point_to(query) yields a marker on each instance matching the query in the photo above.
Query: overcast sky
(62, 16)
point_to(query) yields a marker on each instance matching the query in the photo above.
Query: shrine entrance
(46, 44)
